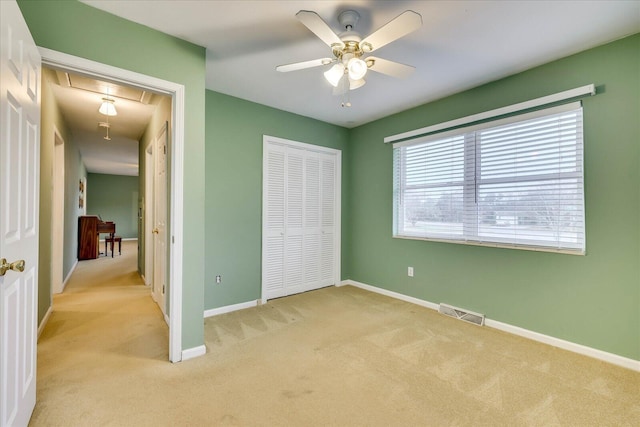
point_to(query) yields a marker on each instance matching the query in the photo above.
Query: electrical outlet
(218, 279)
(410, 271)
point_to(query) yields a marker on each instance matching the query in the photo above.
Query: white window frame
(471, 183)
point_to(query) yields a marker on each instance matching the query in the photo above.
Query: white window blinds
(514, 182)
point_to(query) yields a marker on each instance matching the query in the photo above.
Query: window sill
(495, 245)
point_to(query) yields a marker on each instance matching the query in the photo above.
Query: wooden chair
(112, 239)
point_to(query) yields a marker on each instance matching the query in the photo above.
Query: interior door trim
(176, 91)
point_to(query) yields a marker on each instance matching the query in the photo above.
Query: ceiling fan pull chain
(346, 99)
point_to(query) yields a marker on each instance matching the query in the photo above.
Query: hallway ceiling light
(108, 107)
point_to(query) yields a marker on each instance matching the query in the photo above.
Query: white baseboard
(194, 352)
(615, 359)
(66, 279)
(45, 319)
(230, 308)
(391, 294)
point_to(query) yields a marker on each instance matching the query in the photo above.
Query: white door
(273, 219)
(300, 251)
(328, 227)
(293, 261)
(312, 213)
(160, 220)
(19, 187)
(148, 216)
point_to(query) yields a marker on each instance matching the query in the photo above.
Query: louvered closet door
(274, 203)
(299, 247)
(312, 222)
(327, 209)
(294, 238)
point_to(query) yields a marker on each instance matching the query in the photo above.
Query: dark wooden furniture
(112, 239)
(89, 230)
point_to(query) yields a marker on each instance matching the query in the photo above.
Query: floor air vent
(459, 313)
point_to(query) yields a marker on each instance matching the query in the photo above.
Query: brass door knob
(15, 266)
(155, 231)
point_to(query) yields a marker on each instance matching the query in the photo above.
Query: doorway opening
(174, 181)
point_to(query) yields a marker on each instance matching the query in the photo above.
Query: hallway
(103, 326)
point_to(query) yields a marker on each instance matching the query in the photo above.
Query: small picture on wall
(81, 186)
(81, 202)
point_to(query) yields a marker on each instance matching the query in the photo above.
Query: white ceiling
(460, 45)
(79, 98)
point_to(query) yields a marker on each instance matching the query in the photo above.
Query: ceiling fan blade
(403, 24)
(320, 28)
(302, 65)
(390, 68)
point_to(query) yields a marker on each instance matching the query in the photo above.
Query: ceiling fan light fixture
(334, 74)
(108, 107)
(357, 68)
(355, 84)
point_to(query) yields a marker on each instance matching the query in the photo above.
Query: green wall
(77, 29)
(592, 300)
(233, 195)
(114, 198)
(74, 171)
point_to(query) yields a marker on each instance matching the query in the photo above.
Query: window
(515, 182)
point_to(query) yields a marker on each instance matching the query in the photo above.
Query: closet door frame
(270, 141)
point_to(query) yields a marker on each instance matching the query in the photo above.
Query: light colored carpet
(332, 357)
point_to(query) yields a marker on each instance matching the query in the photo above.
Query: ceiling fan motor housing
(351, 38)
(348, 19)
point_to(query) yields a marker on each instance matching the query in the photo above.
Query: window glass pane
(434, 212)
(546, 213)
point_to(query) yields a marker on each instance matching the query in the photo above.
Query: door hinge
(164, 148)
(162, 289)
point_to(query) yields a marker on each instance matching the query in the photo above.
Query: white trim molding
(588, 90)
(66, 279)
(45, 320)
(192, 353)
(566, 345)
(614, 359)
(391, 294)
(230, 308)
(176, 91)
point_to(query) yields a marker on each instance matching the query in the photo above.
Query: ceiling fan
(350, 51)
